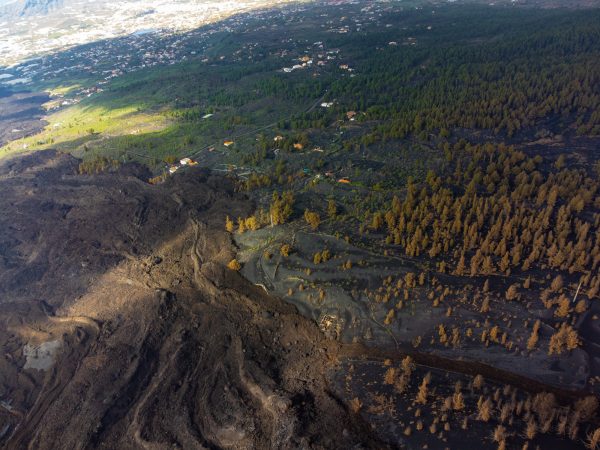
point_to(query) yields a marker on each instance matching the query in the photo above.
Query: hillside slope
(154, 344)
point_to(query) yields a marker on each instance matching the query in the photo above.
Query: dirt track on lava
(160, 346)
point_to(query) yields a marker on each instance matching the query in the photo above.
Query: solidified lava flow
(153, 343)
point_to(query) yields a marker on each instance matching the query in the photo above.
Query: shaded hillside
(154, 343)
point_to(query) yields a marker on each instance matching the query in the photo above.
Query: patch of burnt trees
(500, 212)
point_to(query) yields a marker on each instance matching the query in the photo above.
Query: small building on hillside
(228, 143)
(188, 162)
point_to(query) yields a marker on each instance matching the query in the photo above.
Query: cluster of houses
(320, 58)
(305, 62)
(122, 56)
(112, 58)
(109, 59)
(182, 163)
(278, 138)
